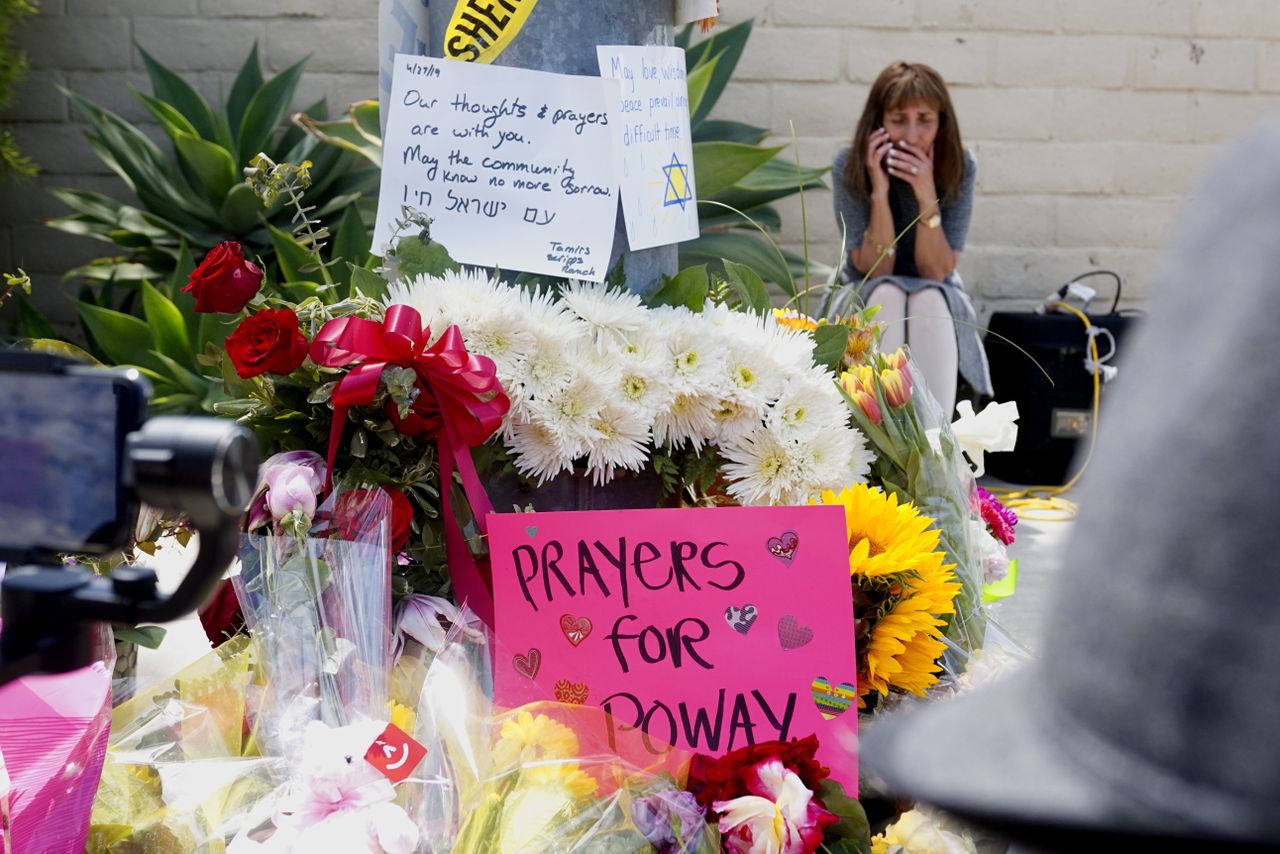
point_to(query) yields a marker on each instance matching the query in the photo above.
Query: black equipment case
(1052, 416)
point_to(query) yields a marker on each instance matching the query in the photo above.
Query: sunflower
(902, 590)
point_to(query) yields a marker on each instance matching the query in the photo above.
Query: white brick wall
(1090, 118)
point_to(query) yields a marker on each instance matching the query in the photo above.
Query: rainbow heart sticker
(832, 700)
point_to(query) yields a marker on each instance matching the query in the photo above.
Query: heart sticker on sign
(784, 546)
(575, 629)
(527, 665)
(741, 619)
(574, 693)
(791, 634)
(832, 700)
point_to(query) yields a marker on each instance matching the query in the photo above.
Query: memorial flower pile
(597, 377)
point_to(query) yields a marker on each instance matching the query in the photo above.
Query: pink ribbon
(460, 403)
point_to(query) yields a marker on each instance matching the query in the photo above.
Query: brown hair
(898, 85)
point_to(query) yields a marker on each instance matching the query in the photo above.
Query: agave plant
(193, 196)
(738, 178)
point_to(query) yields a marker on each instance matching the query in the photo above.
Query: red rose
(352, 510)
(268, 341)
(221, 616)
(726, 778)
(224, 282)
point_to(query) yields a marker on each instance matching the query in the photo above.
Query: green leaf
(184, 300)
(415, 258)
(290, 255)
(697, 81)
(189, 381)
(751, 287)
(248, 82)
(358, 131)
(717, 166)
(34, 324)
(726, 47)
(853, 826)
(829, 345)
(367, 282)
(125, 339)
(168, 86)
(351, 243)
(214, 329)
(171, 121)
(211, 163)
(144, 636)
(687, 288)
(745, 248)
(294, 145)
(774, 180)
(726, 130)
(266, 109)
(62, 348)
(167, 325)
(242, 210)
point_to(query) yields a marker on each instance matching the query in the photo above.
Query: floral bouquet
(182, 769)
(776, 796)
(918, 460)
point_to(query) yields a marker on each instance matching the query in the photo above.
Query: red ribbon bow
(460, 402)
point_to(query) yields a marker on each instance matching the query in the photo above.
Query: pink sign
(709, 629)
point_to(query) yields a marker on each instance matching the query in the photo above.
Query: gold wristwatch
(932, 221)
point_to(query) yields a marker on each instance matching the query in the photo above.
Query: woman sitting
(903, 198)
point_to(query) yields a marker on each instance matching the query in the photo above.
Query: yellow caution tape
(480, 30)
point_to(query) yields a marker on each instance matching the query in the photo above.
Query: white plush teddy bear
(337, 801)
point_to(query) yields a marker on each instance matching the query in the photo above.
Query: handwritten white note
(654, 145)
(511, 165)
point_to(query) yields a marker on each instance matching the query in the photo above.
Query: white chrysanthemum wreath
(593, 374)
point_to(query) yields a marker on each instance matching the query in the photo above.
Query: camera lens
(236, 472)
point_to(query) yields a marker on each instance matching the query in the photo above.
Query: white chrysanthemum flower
(623, 442)
(808, 404)
(751, 376)
(790, 350)
(694, 356)
(503, 338)
(609, 313)
(735, 418)
(455, 298)
(571, 410)
(547, 368)
(832, 459)
(643, 387)
(690, 419)
(539, 455)
(762, 469)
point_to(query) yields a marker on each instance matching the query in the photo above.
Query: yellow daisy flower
(789, 318)
(527, 738)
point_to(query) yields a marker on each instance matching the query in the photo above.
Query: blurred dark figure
(1153, 712)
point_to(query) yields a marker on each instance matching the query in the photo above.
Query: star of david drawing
(678, 190)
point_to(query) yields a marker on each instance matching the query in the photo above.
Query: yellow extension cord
(1046, 498)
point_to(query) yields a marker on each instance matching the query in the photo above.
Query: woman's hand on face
(878, 146)
(915, 166)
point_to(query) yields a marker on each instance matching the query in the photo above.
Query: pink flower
(1000, 519)
(286, 482)
(780, 816)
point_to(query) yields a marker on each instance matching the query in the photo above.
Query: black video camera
(78, 456)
